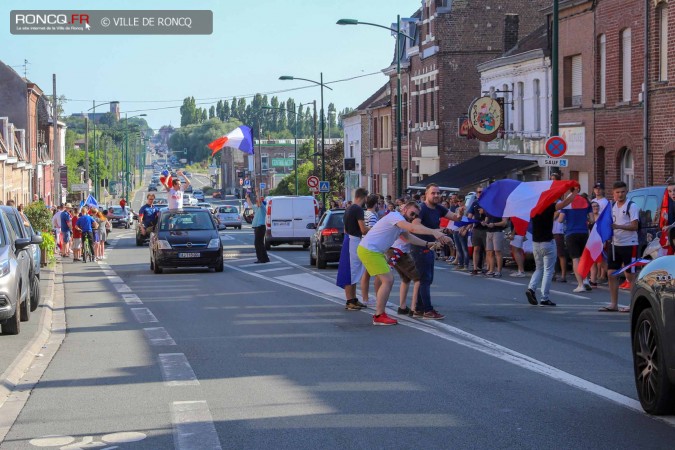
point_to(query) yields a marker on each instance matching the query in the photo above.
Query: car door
(281, 217)
(22, 256)
(303, 214)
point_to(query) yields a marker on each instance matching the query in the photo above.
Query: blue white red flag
(522, 200)
(344, 273)
(166, 179)
(91, 201)
(601, 233)
(637, 263)
(239, 138)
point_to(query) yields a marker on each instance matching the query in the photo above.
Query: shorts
(575, 244)
(66, 235)
(495, 241)
(405, 266)
(97, 236)
(374, 262)
(517, 241)
(77, 243)
(559, 244)
(478, 237)
(620, 255)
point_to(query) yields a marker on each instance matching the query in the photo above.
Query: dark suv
(325, 244)
(653, 335)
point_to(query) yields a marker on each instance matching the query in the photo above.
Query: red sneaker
(384, 319)
(625, 285)
(433, 315)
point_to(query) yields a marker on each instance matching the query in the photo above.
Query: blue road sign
(247, 183)
(263, 185)
(324, 186)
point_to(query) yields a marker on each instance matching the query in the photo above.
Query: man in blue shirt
(148, 215)
(66, 229)
(87, 224)
(259, 228)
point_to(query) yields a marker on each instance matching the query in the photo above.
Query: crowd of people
(73, 226)
(409, 235)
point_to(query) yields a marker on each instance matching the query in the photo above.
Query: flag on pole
(522, 200)
(91, 201)
(636, 263)
(239, 138)
(601, 233)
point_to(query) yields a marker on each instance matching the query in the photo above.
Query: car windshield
(228, 210)
(186, 220)
(117, 210)
(336, 221)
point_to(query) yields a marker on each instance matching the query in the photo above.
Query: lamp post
(96, 180)
(323, 139)
(126, 155)
(399, 33)
(295, 150)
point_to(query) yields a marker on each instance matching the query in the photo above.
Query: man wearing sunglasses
(372, 248)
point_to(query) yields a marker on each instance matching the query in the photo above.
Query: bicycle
(87, 246)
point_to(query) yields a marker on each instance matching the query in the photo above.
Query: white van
(287, 219)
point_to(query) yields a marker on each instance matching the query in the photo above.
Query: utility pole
(57, 149)
(315, 138)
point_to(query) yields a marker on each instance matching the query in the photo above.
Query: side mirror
(22, 243)
(311, 226)
(36, 239)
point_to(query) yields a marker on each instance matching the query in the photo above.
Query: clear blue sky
(253, 43)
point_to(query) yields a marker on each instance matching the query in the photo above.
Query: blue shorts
(97, 236)
(66, 236)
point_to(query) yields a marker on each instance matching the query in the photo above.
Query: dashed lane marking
(132, 299)
(122, 288)
(158, 336)
(193, 427)
(274, 270)
(176, 370)
(256, 265)
(144, 315)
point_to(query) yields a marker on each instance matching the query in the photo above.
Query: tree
(287, 185)
(219, 110)
(335, 166)
(188, 112)
(233, 109)
(290, 114)
(274, 114)
(282, 117)
(241, 110)
(226, 111)
(212, 112)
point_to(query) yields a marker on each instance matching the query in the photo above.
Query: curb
(17, 382)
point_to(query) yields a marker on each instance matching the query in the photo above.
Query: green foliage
(287, 185)
(40, 216)
(48, 246)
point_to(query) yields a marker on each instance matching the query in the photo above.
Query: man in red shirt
(77, 237)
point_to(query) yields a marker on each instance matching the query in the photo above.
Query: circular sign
(555, 147)
(486, 117)
(313, 182)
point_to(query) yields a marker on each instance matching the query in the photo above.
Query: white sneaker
(579, 289)
(518, 274)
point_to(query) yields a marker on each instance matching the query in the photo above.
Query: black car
(653, 335)
(649, 201)
(325, 244)
(152, 187)
(186, 238)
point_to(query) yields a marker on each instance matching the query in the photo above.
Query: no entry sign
(555, 147)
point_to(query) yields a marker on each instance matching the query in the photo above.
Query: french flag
(601, 233)
(239, 138)
(522, 200)
(166, 179)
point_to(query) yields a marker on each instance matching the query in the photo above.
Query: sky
(253, 43)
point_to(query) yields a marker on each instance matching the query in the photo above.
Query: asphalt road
(265, 356)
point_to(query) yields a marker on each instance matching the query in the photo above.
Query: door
(281, 217)
(303, 214)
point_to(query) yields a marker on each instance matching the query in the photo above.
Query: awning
(474, 171)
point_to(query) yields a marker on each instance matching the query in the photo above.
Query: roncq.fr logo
(51, 19)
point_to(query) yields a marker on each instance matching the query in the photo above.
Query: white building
(351, 124)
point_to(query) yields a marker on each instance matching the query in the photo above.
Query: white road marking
(460, 337)
(122, 288)
(132, 299)
(109, 272)
(115, 279)
(158, 336)
(242, 259)
(193, 427)
(176, 370)
(104, 266)
(273, 270)
(226, 237)
(512, 283)
(256, 265)
(144, 315)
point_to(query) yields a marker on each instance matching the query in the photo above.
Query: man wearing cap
(66, 229)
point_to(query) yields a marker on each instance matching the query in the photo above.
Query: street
(265, 356)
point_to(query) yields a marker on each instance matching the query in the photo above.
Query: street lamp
(96, 180)
(323, 140)
(399, 33)
(295, 151)
(126, 152)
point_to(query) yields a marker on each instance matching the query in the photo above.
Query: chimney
(511, 23)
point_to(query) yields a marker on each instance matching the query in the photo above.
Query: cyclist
(87, 225)
(148, 216)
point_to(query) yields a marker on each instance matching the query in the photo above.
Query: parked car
(152, 187)
(326, 241)
(199, 195)
(161, 202)
(287, 219)
(653, 335)
(649, 201)
(186, 237)
(15, 268)
(228, 216)
(36, 256)
(120, 217)
(189, 200)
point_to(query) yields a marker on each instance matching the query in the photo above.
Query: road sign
(324, 186)
(553, 162)
(263, 186)
(247, 183)
(313, 182)
(555, 147)
(79, 187)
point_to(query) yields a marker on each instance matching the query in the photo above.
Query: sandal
(608, 309)
(624, 309)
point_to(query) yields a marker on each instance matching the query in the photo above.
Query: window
(265, 161)
(625, 64)
(507, 118)
(424, 101)
(351, 151)
(627, 170)
(537, 106)
(572, 72)
(375, 133)
(521, 106)
(602, 56)
(662, 15)
(417, 106)
(432, 118)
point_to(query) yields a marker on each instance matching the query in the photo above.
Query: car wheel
(655, 392)
(305, 245)
(25, 307)
(35, 294)
(321, 262)
(13, 325)
(312, 259)
(239, 227)
(219, 266)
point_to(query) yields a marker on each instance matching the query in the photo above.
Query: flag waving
(91, 201)
(521, 200)
(166, 179)
(601, 233)
(663, 222)
(239, 138)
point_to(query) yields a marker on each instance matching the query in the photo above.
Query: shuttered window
(663, 41)
(625, 64)
(602, 55)
(576, 80)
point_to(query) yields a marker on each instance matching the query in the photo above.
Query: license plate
(189, 255)
(279, 223)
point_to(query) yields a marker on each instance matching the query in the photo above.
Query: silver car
(228, 216)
